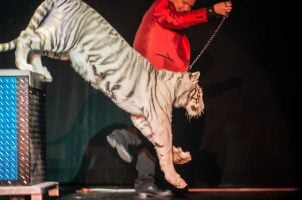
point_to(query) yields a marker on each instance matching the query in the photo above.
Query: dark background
(249, 135)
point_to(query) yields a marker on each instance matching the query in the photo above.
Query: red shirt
(159, 37)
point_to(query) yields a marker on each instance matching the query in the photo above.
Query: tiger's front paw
(176, 180)
(181, 157)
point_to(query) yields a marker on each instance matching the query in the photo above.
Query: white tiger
(71, 29)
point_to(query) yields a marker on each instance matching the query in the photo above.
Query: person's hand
(223, 8)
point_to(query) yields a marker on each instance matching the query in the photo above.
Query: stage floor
(122, 193)
(117, 193)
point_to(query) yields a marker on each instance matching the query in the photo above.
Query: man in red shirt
(160, 39)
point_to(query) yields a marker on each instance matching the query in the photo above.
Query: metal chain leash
(208, 43)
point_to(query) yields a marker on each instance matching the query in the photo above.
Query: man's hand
(223, 8)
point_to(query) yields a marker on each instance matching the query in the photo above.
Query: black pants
(146, 157)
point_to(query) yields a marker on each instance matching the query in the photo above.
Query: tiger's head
(188, 94)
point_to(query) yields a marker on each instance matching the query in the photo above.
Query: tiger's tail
(39, 15)
(8, 45)
(34, 23)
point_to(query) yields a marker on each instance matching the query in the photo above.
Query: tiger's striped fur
(70, 29)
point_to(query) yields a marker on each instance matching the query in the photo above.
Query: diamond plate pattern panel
(24, 147)
(22, 129)
(8, 129)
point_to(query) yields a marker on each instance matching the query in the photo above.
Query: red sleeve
(166, 15)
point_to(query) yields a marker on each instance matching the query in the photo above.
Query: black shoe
(117, 140)
(152, 191)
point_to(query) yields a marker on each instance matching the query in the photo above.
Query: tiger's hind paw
(47, 79)
(45, 75)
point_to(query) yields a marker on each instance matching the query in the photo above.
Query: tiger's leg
(22, 51)
(179, 156)
(27, 42)
(35, 60)
(162, 141)
(142, 124)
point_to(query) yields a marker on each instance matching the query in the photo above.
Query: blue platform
(8, 129)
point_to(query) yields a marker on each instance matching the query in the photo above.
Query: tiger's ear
(195, 76)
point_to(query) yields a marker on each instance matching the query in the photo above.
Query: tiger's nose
(194, 108)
